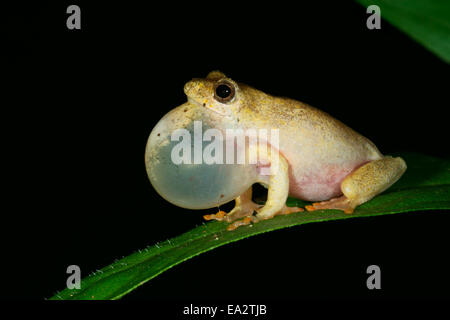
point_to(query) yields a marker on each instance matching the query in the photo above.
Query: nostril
(193, 86)
(188, 87)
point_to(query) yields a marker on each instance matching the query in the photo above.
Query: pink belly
(319, 185)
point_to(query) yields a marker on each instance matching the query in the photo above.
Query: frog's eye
(224, 91)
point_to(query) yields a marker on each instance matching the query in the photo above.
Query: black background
(84, 102)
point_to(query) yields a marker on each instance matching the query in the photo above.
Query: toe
(239, 223)
(340, 203)
(218, 216)
(289, 210)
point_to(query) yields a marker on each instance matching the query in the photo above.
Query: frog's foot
(243, 222)
(289, 210)
(239, 211)
(339, 203)
(247, 220)
(218, 216)
(244, 208)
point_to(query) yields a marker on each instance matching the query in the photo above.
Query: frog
(318, 158)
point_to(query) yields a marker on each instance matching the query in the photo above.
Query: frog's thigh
(365, 183)
(372, 178)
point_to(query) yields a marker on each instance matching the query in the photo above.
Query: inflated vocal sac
(182, 175)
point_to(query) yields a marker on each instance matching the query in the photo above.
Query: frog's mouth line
(192, 101)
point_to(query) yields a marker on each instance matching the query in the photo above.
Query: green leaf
(424, 186)
(426, 21)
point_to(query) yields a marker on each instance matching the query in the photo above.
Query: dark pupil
(223, 91)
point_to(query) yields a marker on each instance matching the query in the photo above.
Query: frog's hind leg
(364, 183)
(339, 203)
(244, 207)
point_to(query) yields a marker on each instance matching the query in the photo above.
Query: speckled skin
(321, 151)
(324, 158)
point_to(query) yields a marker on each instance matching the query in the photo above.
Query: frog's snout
(188, 87)
(193, 88)
(197, 90)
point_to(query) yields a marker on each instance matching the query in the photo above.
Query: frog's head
(216, 93)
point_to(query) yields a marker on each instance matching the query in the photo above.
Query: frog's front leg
(365, 183)
(244, 207)
(278, 191)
